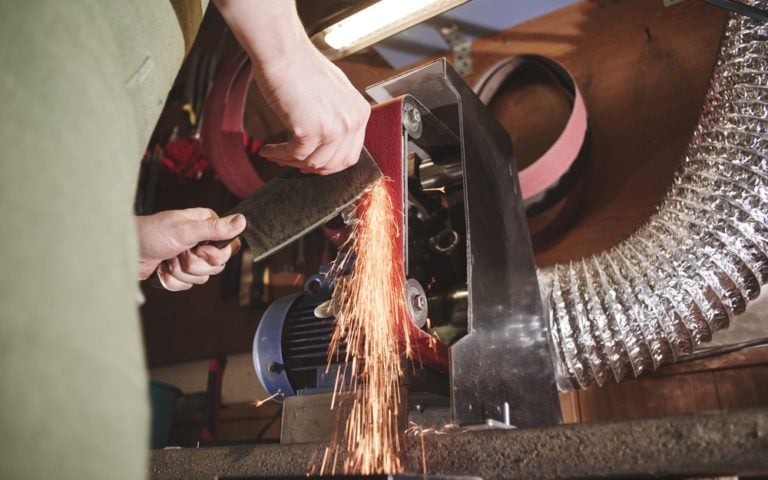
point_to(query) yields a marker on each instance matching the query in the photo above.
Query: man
(82, 85)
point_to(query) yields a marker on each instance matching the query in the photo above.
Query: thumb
(225, 228)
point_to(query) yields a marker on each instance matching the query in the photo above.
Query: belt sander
(465, 247)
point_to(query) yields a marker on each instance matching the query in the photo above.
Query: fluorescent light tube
(376, 22)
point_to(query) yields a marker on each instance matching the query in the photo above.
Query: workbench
(686, 445)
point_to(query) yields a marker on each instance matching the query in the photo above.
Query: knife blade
(293, 203)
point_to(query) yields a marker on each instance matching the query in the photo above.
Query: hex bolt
(418, 301)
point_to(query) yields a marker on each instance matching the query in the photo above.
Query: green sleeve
(81, 86)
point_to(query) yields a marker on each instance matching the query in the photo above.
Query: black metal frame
(501, 371)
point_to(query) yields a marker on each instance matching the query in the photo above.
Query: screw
(274, 368)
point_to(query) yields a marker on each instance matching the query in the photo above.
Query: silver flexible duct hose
(699, 260)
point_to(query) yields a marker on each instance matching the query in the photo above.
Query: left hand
(319, 106)
(313, 99)
(168, 243)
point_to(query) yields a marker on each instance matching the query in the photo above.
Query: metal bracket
(460, 45)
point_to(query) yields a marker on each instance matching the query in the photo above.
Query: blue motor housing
(290, 348)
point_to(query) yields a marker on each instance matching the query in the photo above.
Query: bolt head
(274, 368)
(419, 302)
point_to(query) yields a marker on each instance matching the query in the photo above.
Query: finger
(199, 213)
(315, 163)
(168, 281)
(357, 139)
(289, 163)
(235, 245)
(337, 161)
(322, 160)
(195, 264)
(347, 155)
(211, 229)
(297, 149)
(176, 271)
(217, 256)
(357, 147)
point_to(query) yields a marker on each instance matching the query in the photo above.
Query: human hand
(168, 244)
(321, 109)
(319, 106)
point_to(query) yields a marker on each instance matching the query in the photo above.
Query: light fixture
(377, 21)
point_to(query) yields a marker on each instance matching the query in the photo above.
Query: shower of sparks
(371, 315)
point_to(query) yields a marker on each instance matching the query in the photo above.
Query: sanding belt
(555, 178)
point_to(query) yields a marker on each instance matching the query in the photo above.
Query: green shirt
(81, 86)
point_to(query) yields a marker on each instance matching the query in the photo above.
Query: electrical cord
(716, 351)
(738, 7)
(269, 424)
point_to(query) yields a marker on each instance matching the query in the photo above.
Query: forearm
(270, 31)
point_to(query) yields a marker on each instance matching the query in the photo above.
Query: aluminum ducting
(699, 260)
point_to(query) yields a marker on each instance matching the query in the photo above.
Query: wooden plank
(233, 412)
(643, 398)
(742, 387)
(249, 429)
(569, 407)
(239, 421)
(309, 418)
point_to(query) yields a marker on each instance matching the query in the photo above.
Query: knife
(293, 204)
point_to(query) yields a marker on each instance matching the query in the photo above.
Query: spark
(325, 459)
(258, 403)
(416, 430)
(433, 336)
(423, 455)
(371, 315)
